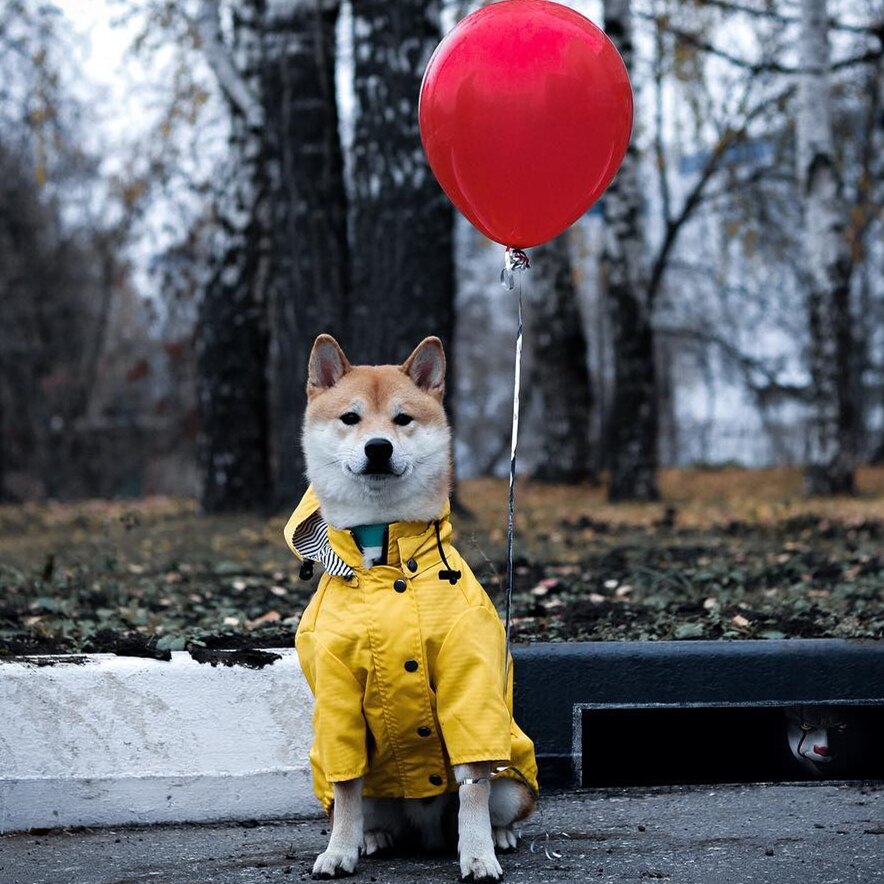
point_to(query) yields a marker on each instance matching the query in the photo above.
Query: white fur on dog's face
(375, 402)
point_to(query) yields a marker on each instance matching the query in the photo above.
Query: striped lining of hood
(310, 541)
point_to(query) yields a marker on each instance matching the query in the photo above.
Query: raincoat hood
(312, 539)
(407, 666)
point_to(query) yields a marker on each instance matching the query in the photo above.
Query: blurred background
(191, 191)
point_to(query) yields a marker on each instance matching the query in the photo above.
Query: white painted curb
(129, 740)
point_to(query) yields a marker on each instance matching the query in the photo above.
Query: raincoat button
(399, 585)
(411, 564)
(423, 731)
(435, 779)
(411, 665)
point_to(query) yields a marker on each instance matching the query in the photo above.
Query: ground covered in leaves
(727, 554)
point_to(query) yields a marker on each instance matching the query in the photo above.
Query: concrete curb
(112, 740)
(115, 740)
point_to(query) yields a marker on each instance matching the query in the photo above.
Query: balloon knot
(514, 259)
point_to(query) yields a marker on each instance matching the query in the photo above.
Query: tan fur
(383, 389)
(378, 394)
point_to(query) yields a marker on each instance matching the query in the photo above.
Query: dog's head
(376, 439)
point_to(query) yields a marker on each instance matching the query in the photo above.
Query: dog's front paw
(336, 863)
(376, 840)
(480, 868)
(505, 839)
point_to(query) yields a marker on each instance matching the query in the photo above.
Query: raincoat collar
(311, 538)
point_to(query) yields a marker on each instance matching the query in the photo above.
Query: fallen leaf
(772, 634)
(269, 617)
(689, 630)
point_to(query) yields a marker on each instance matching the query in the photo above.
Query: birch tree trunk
(831, 455)
(403, 268)
(310, 277)
(231, 333)
(560, 375)
(632, 423)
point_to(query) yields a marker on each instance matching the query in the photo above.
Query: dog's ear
(426, 367)
(328, 365)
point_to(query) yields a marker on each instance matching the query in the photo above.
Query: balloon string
(516, 260)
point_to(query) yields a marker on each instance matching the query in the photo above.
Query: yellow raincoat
(406, 667)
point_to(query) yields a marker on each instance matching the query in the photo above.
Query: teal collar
(369, 536)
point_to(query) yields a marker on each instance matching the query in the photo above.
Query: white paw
(505, 839)
(336, 863)
(480, 868)
(375, 840)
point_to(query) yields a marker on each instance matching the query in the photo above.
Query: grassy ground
(728, 554)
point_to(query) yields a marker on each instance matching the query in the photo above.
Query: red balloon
(525, 116)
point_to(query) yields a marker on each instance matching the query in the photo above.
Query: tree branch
(728, 138)
(756, 176)
(755, 67)
(865, 207)
(873, 30)
(865, 58)
(749, 366)
(235, 89)
(659, 148)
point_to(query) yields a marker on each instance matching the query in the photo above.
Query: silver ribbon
(515, 261)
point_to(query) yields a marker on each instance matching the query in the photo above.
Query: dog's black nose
(378, 451)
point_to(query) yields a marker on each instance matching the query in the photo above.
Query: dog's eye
(403, 420)
(350, 418)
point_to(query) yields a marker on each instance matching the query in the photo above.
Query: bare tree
(633, 422)
(232, 332)
(310, 273)
(403, 268)
(59, 270)
(832, 431)
(638, 270)
(560, 376)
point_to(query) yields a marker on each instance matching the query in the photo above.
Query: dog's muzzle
(378, 452)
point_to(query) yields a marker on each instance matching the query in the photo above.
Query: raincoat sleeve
(339, 728)
(470, 702)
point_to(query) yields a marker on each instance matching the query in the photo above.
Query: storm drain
(654, 745)
(695, 711)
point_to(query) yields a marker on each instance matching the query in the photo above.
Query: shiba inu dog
(403, 649)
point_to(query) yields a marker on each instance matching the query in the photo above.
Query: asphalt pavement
(755, 834)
